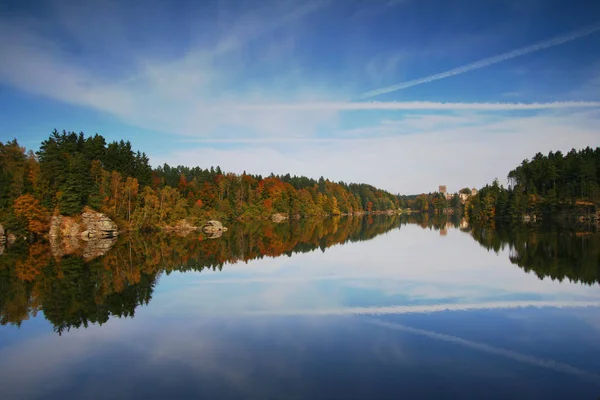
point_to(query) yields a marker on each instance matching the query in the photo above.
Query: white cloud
(294, 121)
(414, 105)
(175, 94)
(390, 156)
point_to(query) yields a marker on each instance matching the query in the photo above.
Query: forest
(547, 187)
(71, 171)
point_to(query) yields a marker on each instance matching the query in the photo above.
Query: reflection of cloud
(395, 269)
(46, 359)
(414, 309)
(524, 358)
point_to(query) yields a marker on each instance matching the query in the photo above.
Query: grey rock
(213, 227)
(279, 217)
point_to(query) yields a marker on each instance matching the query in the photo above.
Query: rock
(98, 224)
(55, 224)
(1, 248)
(213, 226)
(279, 217)
(2, 237)
(96, 230)
(11, 238)
(214, 235)
(97, 248)
(181, 228)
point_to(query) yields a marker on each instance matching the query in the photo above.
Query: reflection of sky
(408, 314)
(406, 267)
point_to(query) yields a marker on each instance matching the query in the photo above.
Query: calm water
(354, 308)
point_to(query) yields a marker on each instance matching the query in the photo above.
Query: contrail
(524, 358)
(411, 105)
(417, 309)
(488, 61)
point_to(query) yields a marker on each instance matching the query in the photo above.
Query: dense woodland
(545, 186)
(71, 171)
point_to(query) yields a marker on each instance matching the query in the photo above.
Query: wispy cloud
(445, 151)
(417, 105)
(172, 94)
(488, 61)
(426, 309)
(372, 9)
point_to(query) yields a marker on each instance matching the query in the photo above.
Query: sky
(402, 94)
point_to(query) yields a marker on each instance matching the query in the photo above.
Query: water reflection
(554, 251)
(74, 289)
(420, 311)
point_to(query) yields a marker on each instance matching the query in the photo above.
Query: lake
(367, 307)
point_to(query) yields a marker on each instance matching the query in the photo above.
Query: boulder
(2, 237)
(98, 247)
(213, 227)
(11, 238)
(279, 217)
(91, 235)
(214, 235)
(98, 225)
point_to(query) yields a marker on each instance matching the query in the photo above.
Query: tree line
(71, 171)
(545, 186)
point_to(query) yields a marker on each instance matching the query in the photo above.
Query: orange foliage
(29, 208)
(31, 267)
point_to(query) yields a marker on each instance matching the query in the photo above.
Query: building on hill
(473, 192)
(442, 189)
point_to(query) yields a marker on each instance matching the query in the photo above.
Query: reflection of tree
(436, 222)
(554, 252)
(89, 293)
(74, 293)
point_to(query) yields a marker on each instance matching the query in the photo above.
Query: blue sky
(284, 86)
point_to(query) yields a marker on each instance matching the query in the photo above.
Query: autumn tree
(34, 215)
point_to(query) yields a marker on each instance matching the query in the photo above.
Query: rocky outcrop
(97, 248)
(2, 236)
(92, 234)
(97, 225)
(213, 227)
(279, 217)
(91, 225)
